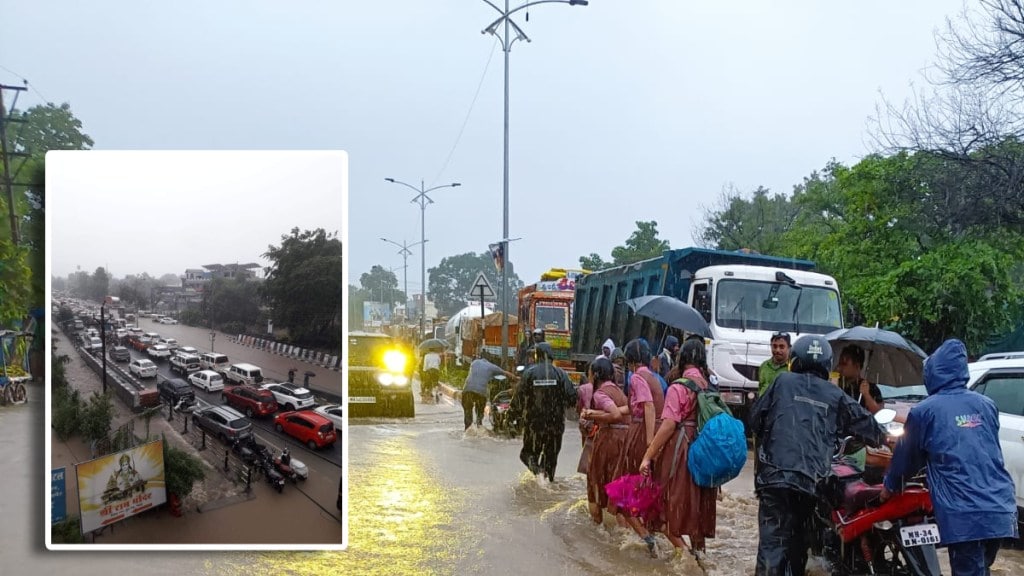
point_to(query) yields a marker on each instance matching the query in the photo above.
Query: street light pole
(506, 46)
(405, 253)
(103, 334)
(423, 200)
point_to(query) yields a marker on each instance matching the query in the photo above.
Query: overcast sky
(162, 212)
(620, 111)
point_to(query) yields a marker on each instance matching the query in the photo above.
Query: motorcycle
(859, 534)
(498, 408)
(274, 478)
(295, 470)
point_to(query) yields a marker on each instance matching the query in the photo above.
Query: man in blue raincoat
(955, 433)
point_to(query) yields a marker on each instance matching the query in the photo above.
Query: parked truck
(548, 305)
(745, 298)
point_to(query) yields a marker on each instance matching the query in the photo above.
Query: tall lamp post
(422, 199)
(103, 333)
(506, 45)
(405, 253)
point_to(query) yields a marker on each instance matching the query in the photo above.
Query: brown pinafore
(607, 449)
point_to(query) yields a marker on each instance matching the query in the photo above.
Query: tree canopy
(452, 280)
(304, 286)
(642, 244)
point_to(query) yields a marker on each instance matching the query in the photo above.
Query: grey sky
(163, 212)
(620, 111)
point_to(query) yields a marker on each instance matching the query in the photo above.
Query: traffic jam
(278, 427)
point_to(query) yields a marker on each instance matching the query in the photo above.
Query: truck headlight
(385, 379)
(395, 361)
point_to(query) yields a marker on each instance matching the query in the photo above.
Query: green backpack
(709, 403)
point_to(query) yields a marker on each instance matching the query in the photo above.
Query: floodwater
(425, 498)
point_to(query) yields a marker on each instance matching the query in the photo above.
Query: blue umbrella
(672, 312)
(890, 359)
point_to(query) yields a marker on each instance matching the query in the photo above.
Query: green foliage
(382, 284)
(49, 127)
(231, 301)
(304, 287)
(451, 281)
(69, 531)
(67, 405)
(234, 327)
(100, 285)
(181, 470)
(758, 222)
(192, 317)
(642, 244)
(96, 417)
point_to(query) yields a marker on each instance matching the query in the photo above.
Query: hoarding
(116, 486)
(58, 496)
(376, 313)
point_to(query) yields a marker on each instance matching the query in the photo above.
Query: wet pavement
(425, 498)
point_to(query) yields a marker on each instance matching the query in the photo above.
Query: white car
(186, 350)
(332, 412)
(289, 396)
(167, 320)
(159, 351)
(142, 368)
(171, 343)
(207, 380)
(1003, 382)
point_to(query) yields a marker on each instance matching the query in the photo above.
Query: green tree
(757, 222)
(379, 281)
(231, 301)
(451, 281)
(181, 471)
(97, 417)
(48, 127)
(100, 285)
(642, 244)
(304, 286)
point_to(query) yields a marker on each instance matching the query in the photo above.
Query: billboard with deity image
(116, 486)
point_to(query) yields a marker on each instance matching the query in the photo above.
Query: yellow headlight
(395, 361)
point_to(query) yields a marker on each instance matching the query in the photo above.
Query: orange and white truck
(548, 305)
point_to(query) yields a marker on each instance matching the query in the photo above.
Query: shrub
(181, 470)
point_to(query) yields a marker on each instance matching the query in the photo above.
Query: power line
(31, 86)
(468, 113)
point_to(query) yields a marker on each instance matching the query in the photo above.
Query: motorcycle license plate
(919, 535)
(362, 400)
(732, 397)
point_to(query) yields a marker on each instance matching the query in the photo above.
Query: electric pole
(7, 153)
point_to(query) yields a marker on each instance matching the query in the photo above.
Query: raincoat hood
(609, 344)
(946, 368)
(616, 354)
(671, 342)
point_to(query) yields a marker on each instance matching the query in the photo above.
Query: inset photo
(197, 314)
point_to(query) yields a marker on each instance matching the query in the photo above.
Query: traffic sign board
(481, 288)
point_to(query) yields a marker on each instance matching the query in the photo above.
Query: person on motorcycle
(286, 458)
(544, 393)
(798, 422)
(954, 433)
(475, 391)
(430, 374)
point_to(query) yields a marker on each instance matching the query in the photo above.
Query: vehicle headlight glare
(385, 379)
(394, 361)
(401, 380)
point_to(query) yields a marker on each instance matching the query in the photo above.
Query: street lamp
(506, 46)
(405, 253)
(103, 334)
(423, 200)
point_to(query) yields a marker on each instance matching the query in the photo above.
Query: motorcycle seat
(859, 495)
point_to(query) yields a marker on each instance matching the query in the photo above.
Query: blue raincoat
(955, 432)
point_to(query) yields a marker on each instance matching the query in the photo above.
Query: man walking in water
(541, 399)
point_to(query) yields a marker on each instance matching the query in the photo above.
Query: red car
(252, 401)
(307, 427)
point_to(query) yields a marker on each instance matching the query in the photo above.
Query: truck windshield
(741, 304)
(554, 318)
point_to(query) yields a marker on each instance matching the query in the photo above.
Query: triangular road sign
(481, 288)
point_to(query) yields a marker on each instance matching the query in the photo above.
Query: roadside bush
(96, 417)
(454, 376)
(67, 532)
(67, 412)
(234, 328)
(181, 470)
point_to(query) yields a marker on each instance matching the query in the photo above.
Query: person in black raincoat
(544, 393)
(524, 357)
(798, 423)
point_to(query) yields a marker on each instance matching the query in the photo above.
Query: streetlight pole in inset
(422, 199)
(405, 253)
(506, 46)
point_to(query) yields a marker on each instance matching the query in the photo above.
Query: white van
(245, 374)
(214, 361)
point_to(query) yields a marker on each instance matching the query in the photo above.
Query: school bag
(720, 450)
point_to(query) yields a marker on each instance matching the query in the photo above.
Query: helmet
(813, 355)
(638, 352)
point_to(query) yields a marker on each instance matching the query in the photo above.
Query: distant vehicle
(173, 390)
(142, 368)
(245, 374)
(207, 380)
(307, 427)
(379, 377)
(158, 352)
(186, 350)
(214, 361)
(184, 364)
(120, 354)
(167, 320)
(289, 396)
(332, 412)
(171, 343)
(94, 344)
(252, 401)
(223, 422)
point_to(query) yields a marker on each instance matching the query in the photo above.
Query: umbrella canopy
(890, 358)
(670, 311)
(434, 344)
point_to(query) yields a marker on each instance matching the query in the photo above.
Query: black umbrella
(434, 344)
(891, 359)
(670, 311)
